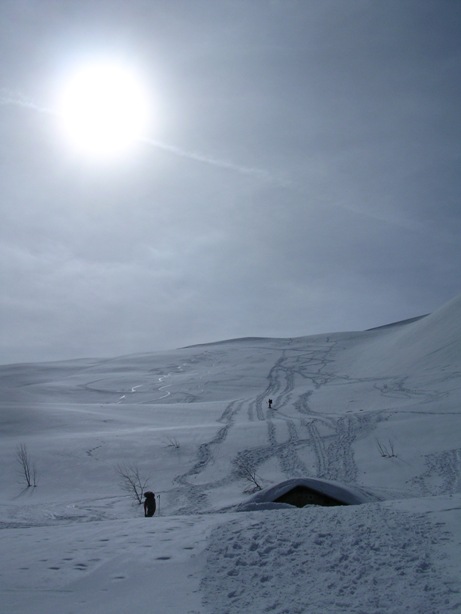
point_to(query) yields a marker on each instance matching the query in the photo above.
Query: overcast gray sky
(310, 180)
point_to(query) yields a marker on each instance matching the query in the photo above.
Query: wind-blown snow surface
(378, 410)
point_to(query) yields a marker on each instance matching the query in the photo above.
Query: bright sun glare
(104, 109)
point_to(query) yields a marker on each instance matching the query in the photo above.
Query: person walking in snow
(149, 504)
(269, 402)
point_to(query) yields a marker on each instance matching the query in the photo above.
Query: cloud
(301, 177)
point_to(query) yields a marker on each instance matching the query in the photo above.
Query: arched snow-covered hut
(300, 492)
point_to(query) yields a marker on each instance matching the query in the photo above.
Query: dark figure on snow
(149, 504)
(269, 402)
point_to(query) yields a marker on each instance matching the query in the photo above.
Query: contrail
(10, 97)
(14, 98)
(198, 157)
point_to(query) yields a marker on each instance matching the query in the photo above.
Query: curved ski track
(329, 438)
(325, 438)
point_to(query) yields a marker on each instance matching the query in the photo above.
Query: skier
(270, 403)
(149, 504)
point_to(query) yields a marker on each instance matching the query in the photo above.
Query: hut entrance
(301, 496)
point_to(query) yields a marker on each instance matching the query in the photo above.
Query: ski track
(193, 495)
(334, 458)
(293, 426)
(398, 390)
(442, 475)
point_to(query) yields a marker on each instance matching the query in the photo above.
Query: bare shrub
(28, 469)
(245, 468)
(172, 442)
(131, 481)
(386, 450)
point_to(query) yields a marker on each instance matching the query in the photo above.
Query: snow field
(77, 544)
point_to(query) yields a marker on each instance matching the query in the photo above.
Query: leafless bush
(131, 481)
(28, 469)
(172, 442)
(386, 450)
(245, 469)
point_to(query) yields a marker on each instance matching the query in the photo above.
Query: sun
(103, 109)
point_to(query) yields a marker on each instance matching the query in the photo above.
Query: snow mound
(426, 344)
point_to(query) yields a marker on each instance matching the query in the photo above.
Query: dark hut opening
(301, 496)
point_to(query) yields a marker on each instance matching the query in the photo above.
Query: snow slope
(376, 411)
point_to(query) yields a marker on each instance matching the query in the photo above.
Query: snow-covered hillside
(377, 411)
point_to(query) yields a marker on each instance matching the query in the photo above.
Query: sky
(299, 175)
